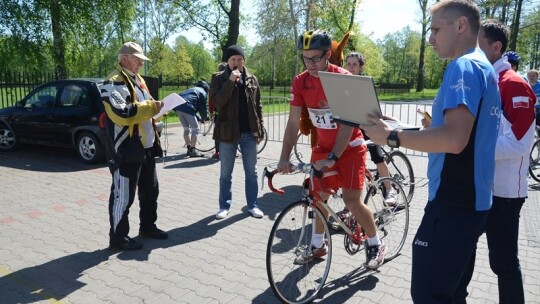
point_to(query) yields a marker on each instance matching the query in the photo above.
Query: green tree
(54, 28)
(201, 60)
(219, 19)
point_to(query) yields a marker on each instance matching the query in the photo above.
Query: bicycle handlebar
(301, 167)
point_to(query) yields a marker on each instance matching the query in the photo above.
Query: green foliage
(201, 61)
(373, 55)
(172, 64)
(86, 40)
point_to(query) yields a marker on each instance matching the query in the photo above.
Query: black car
(66, 113)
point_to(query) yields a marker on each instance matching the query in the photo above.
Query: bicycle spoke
(392, 221)
(294, 274)
(205, 142)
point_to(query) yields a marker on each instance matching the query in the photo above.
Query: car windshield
(44, 98)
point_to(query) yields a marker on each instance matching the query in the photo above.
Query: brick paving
(54, 238)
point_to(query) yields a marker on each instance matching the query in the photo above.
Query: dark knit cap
(233, 50)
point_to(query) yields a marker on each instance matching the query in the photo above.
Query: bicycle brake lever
(265, 171)
(270, 175)
(317, 173)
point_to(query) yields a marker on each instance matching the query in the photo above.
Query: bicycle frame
(312, 198)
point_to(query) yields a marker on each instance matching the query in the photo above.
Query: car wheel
(89, 148)
(8, 140)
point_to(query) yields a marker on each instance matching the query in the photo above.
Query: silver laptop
(352, 97)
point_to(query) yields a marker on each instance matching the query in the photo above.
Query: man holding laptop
(340, 147)
(461, 145)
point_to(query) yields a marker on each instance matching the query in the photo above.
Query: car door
(33, 121)
(74, 110)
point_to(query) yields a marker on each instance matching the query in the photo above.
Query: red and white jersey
(516, 133)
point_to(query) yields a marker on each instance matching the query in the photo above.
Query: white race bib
(322, 118)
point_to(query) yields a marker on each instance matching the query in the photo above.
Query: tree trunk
(58, 41)
(295, 30)
(353, 12)
(421, 69)
(515, 26)
(234, 26)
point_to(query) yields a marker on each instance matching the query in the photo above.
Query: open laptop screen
(352, 98)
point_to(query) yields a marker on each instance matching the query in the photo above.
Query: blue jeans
(227, 155)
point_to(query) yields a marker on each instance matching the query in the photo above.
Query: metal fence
(276, 114)
(15, 85)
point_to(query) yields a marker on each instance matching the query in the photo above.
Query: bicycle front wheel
(401, 170)
(205, 142)
(391, 219)
(294, 275)
(534, 165)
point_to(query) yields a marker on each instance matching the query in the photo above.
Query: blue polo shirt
(465, 180)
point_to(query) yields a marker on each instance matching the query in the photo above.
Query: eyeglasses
(315, 59)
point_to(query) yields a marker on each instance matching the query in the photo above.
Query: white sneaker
(391, 197)
(222, 213)
(256, 212)
(375, 256)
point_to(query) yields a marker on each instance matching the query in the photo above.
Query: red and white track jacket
(516, 133)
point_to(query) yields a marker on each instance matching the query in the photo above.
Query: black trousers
(502, 233)
(442, 249)
(125, 180)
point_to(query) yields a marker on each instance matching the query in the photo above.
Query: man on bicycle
(340, 148)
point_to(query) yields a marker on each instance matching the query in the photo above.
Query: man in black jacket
(237, 96)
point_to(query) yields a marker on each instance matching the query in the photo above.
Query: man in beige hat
(132, 145)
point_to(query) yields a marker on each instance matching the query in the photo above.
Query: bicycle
(399, 165)
(294, 275)
(534, 158)
(206, 143)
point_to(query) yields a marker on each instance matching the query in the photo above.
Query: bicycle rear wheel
(292, 274)
(262, 144)
(401, 170)
(205, 142)
(534, 165)
(392, 221)
(302, 148)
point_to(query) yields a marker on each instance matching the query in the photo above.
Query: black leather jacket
(224, 94)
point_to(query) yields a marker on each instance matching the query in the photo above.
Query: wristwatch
(332, 156)
(393, 140)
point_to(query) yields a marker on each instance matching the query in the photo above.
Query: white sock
(374, 241)
(317, 240)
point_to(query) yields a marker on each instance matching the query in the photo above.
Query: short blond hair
(533, 71)
(453, 9)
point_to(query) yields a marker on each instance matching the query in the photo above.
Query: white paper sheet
(170, 102)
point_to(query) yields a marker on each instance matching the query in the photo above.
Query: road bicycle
(534, 165)
(293, 273)
(399, 165)
(206, 143)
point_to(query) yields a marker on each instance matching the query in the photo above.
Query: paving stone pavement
(54, 238)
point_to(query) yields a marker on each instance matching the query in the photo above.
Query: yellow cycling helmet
(315, 40)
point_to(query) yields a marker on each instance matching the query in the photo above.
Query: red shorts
(350, 166)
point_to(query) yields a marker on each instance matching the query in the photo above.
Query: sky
(376, 18)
